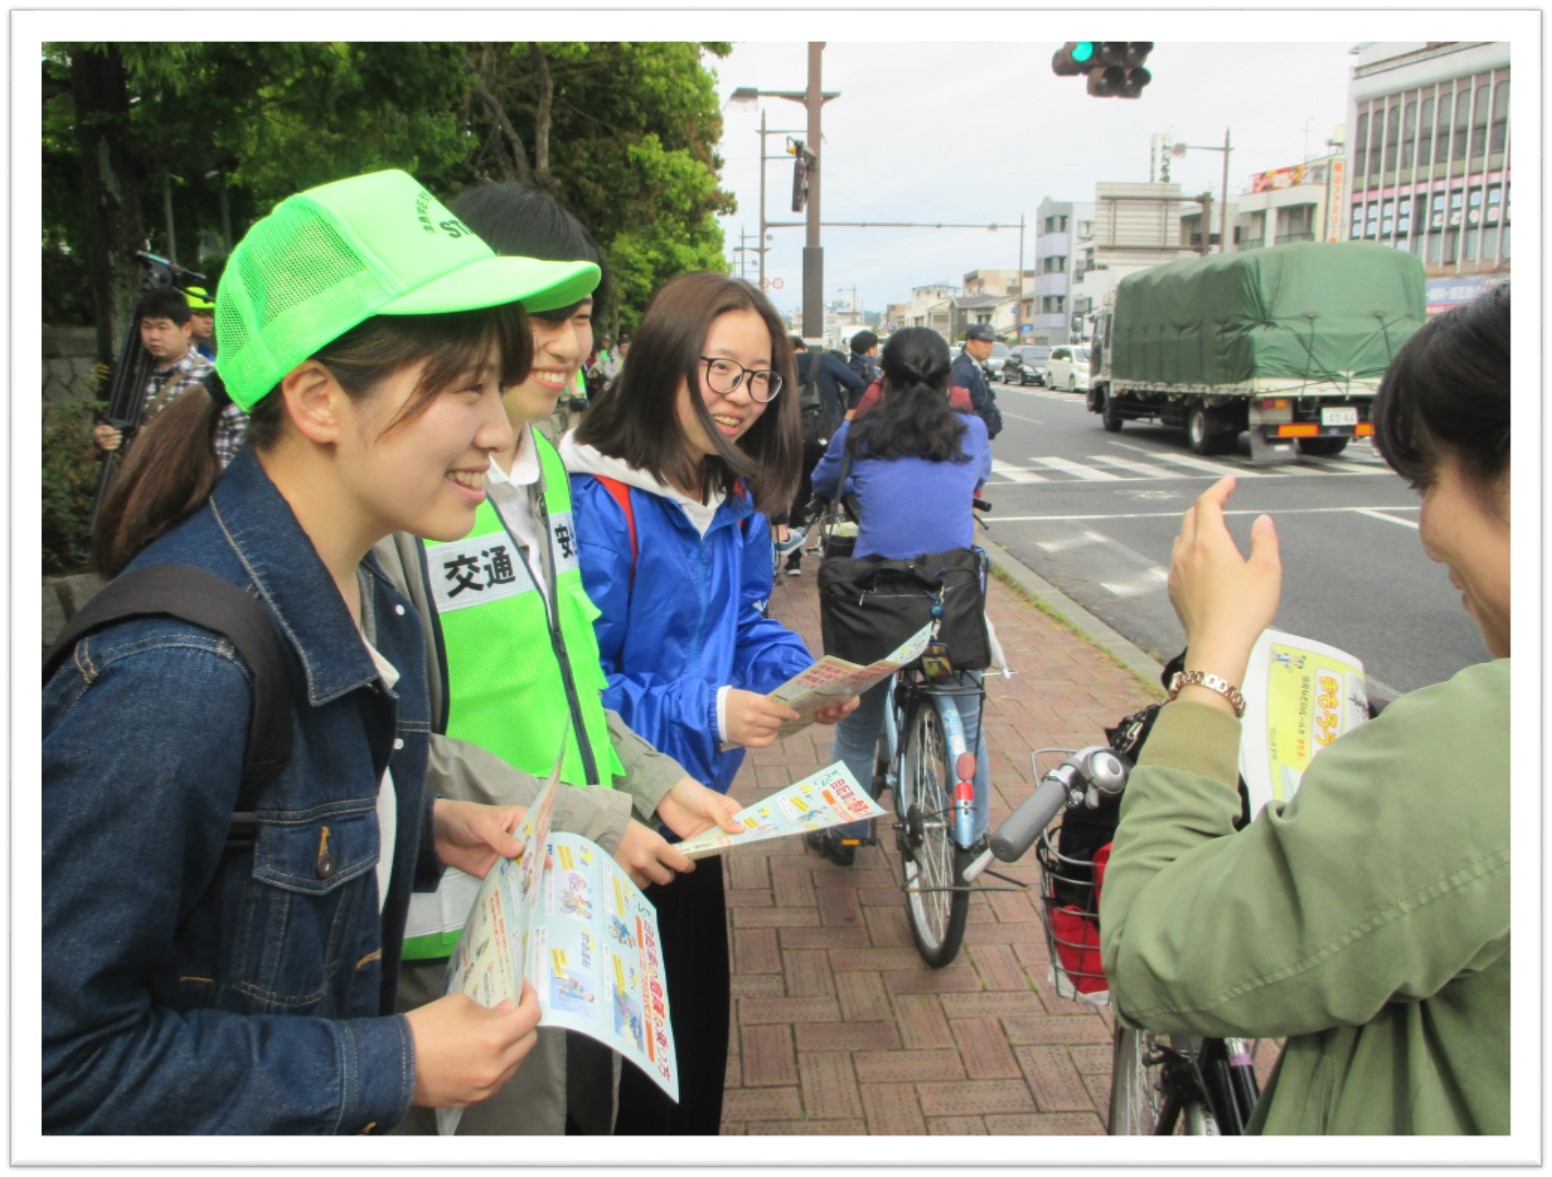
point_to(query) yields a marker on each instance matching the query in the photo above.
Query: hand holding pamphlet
(567, 917)
(832, 679)
(830, 797)
(1300, 695)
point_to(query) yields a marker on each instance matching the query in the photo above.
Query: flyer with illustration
(1300, 695)
(830, 797)
(571, 922)
(833, 679)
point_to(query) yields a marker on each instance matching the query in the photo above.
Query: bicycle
(926, 757)
(1160, 1084)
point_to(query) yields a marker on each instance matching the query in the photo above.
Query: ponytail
(166, 476)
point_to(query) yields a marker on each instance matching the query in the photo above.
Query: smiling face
(424, 474)
(1467, 529)
(561, 344)
(740, 336)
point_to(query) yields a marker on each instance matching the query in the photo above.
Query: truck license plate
(1344, 415)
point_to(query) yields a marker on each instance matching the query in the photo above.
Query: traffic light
(1074, 57)
(1114, 68)
(801, 166)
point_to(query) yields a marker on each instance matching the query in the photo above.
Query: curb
(1038, 589)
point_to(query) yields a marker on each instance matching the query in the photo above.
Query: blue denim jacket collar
(291, 577)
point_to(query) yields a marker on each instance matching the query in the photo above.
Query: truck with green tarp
(1286, 343)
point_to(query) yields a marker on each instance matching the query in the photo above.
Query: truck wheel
(1322, 447)
(1108, 416)
(1202, 432)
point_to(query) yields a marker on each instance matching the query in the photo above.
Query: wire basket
(1069, 913)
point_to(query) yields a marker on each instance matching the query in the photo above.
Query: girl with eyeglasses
(673, 468)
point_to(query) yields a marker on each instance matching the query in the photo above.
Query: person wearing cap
(163, 320)
(969, 373)
(516, 662)
(190, 984)
(202, 320)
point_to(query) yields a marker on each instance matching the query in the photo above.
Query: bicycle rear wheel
(937, 900)
(1145, 1100)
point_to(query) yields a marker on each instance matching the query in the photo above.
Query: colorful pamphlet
(1300, 695)
(830, 797)
(832, 679)
(568, 918)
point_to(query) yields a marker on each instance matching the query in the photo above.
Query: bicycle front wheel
(1144, 1101)
(937, 899)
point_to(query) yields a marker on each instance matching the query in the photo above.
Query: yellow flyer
(1300, 695)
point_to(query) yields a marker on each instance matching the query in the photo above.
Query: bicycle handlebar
(1020, 828)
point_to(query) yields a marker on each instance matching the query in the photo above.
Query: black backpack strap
(205, 599)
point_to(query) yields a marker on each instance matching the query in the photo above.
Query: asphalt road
(1094, 513)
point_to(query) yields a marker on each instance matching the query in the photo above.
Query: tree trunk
(514, 165)
(543, 180)
(111, 187)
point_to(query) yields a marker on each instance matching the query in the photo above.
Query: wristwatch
(1197, 678)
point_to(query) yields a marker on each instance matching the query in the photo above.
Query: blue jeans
(856, 736)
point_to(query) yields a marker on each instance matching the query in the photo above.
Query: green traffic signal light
(1082, 50)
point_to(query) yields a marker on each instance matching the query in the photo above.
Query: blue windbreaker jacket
(688, 620)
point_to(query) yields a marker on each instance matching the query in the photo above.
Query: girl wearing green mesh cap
(195, 983)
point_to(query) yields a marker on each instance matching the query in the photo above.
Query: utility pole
(813, 252)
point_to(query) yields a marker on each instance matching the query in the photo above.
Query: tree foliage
(183, 145)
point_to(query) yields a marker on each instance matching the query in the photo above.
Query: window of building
(1376, 143)
(1436, 215)
(1355, 229)
(1053, 304)
(1372, 219)
(1085, 228)
(1499, 138)
(1441, 139)
(1404, 216)
(1388, 219)
(1457, 201)
(1479, 123)
(1474, 206)
(1361, 149)
(1408, 133)
(1462, 123)
(1425, 133)
(1061, 226)
(1392, 137)
(1494, 204)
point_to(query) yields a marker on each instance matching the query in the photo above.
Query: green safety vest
(500, 692)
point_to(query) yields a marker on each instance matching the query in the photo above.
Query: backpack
(205, 599)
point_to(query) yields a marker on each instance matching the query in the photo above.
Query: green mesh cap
(330, 258)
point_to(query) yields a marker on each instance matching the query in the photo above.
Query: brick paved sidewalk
(838, 1025)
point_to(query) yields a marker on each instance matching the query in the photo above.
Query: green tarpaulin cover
(1308, 311)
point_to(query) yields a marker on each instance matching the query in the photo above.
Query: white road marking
(1077, 469)
(1141, 469)
(1150, 581)
(1373, 514)
(1076, 540)
(1191, 462)
(1276, 513)
(1015, 473)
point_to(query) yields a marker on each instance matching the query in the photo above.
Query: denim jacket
(187, 989)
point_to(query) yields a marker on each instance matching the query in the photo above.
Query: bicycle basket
(1069, 914)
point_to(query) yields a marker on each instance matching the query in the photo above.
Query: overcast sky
(983, 132)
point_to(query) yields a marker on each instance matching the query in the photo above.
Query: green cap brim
(538, 285)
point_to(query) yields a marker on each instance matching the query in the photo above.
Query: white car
(1068, 368)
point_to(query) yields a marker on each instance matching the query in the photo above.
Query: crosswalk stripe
(1077, 469)
(1141, 469)
(1015, 473)
(1149, 581)
(1191, 462)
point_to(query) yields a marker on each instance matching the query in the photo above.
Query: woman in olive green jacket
(1367, 920)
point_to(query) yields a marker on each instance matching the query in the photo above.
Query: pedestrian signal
(802, 165)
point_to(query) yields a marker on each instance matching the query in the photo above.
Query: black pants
(798, 515)
(692, 925)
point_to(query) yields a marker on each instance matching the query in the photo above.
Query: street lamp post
(813, 99)
(1179, 149)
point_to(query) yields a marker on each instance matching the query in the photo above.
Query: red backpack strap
(621, 494)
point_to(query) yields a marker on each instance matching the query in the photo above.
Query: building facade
(1063, 244)
(1428, 159)
(1135, 226)
(1292, 204)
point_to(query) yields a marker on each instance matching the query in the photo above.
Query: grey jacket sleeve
(463, 771)
(649, 774)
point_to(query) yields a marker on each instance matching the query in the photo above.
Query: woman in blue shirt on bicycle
(916, 463)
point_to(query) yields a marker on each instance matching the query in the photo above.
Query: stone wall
(69, 360)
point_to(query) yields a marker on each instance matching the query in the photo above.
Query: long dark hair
(636, 419)
(1448, 389)
(913, 419)
(172, 467)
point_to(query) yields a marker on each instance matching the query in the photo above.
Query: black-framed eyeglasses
(723, 376)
